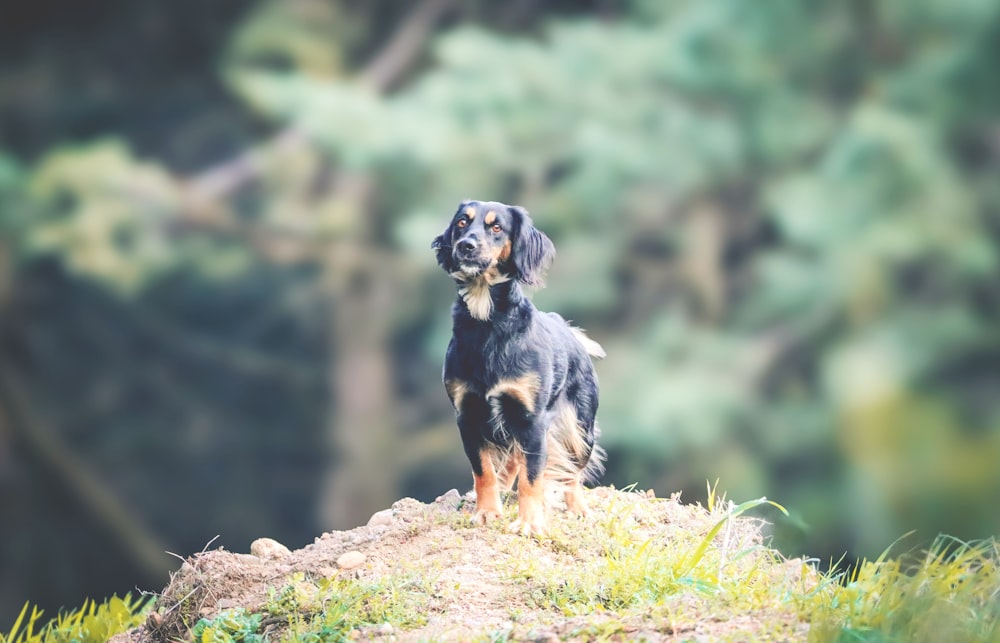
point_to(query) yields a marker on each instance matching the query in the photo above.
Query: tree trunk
(362, 474)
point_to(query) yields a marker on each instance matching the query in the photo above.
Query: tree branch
(381, 73)
(389, 65)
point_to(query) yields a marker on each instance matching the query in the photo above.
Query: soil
(478, 573)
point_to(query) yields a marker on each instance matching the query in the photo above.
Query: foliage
(90, 623)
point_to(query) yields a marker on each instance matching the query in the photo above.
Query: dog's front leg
(473, 416)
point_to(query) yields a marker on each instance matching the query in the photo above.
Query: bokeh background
(220, 316)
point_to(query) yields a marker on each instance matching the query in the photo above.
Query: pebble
(268, 548)
(350, 560)
(383, 517)
(451, 498)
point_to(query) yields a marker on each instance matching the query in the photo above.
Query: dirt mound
(467, 581)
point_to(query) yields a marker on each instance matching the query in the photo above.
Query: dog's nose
(466, 246)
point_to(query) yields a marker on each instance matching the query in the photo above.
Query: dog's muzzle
(467, 254)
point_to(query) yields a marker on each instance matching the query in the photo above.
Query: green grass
(712, 567)
(951, 592)
(91, 623)
(324, 611)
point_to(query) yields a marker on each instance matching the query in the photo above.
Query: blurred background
(220, 315)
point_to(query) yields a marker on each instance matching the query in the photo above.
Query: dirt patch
(477, 582)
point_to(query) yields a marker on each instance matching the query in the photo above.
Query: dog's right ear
(442, 249)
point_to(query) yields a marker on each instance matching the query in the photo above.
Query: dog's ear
(442, 250)
(531, 251)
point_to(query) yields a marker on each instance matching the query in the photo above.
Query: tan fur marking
(487, 490)
(523, 388)
(490, 217)
(470, 212)
(456, 392)
(505, 250)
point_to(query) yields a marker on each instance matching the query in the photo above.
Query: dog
(521, 381)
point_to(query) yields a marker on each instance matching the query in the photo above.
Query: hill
(639, 567)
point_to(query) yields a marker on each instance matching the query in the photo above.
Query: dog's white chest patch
(476, 294)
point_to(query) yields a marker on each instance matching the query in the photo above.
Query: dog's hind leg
(576, 503)
(530, 493)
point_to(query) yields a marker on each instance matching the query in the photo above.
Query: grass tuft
(950, 592)
(91, 623)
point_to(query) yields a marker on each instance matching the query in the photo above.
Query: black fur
(517, 376)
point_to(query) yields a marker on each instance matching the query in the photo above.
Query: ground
(638, 567)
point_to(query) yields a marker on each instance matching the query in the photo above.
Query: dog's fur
(521, 381)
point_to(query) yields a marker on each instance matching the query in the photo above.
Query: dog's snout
(466, 246)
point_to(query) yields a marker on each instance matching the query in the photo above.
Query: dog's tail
(592, 473)
(593, 348)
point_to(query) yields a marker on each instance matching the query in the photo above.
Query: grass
(714, 567)
(951, 592)
(91, 623)
(327, 610)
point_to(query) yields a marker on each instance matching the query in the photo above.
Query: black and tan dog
(521, 381)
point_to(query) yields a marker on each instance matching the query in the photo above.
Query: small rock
(154, 621)
(383, 517)
(451, 498)
(268, 548)
(350, 560)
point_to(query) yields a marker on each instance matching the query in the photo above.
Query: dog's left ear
(531, 251)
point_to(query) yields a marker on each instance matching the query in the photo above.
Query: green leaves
(104, 212)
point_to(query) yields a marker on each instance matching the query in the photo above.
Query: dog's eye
(461, 223)
(496, 227)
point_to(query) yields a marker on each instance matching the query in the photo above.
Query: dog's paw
(576, 503)
(486, 515)
(535, 527)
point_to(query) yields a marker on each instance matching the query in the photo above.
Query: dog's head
(484, 235)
